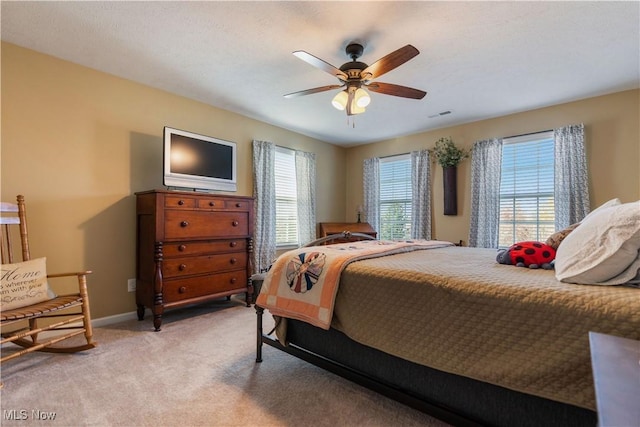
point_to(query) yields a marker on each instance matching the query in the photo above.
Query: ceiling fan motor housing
(354, 50)
(353, 69)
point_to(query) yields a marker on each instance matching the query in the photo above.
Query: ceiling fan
(354, 76)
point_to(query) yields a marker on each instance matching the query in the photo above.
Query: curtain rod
(395, 155)
(526, 134)
(504, 137)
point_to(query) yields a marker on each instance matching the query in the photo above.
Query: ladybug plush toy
(528, 254)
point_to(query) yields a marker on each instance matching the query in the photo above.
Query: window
(286, 198)
(395, 197)
(527, 189)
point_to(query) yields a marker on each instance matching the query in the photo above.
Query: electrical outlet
(131, 285)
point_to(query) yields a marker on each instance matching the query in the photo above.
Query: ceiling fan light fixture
(340, 100)
(356, 109)
(362, 98)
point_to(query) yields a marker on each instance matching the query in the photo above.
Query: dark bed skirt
(452, 398)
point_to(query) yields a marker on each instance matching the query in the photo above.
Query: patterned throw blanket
(302, 283)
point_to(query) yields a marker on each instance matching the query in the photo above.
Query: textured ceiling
(477, 59)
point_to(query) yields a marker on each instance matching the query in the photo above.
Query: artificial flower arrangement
(447, 154)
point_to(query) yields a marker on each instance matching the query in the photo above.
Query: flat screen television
(198, 162)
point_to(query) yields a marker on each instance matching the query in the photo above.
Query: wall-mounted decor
(449, 156)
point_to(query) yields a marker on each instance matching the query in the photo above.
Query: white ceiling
(477, 59)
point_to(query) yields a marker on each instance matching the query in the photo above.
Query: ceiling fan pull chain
(352, 120)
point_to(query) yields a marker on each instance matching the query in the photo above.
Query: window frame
(291, 197)
(542, 227)
(407, 200)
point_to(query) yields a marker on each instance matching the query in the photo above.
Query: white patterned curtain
(306, 185)
(264, 191)
(571, 191)
(420, 195)
(486, 161)
(371, 188)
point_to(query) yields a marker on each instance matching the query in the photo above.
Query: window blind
(527, 189)
(286, 198)
(395, 197)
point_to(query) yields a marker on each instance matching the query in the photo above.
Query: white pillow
(605, 205)
(556, 238)
(24, 283)
(603, 250)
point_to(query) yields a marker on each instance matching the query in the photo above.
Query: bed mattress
(456, 310)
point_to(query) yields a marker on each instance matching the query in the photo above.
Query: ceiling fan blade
(311, 91)
(319, 63)
(391, 61)
(396, 90)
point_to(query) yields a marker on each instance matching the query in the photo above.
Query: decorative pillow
(603, 250)
(556, 238)
(24, 283)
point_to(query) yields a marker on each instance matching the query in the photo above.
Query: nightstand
(616, 376)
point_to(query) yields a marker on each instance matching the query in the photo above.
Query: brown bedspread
(455, 309)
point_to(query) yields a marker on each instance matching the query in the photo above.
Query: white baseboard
(117, 318)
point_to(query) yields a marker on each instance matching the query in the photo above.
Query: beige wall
(79, 143)
(612, 142)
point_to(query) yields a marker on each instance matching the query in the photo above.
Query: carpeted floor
(199, 370)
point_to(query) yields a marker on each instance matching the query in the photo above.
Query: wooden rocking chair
(64, 316)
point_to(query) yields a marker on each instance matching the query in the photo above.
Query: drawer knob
(180, 202)
(233, 280)
(182, 290)
(233, 260)
(235, 223)
(233, 244)
(212, 204)
(182, 267)
(184, 223)
(238, 205)
(182, 248)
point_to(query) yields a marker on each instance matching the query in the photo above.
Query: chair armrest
(78, 273)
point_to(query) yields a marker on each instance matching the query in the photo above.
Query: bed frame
(455, 399)
(452, 398)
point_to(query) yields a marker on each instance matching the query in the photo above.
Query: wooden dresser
(329, 228)
(191, 247)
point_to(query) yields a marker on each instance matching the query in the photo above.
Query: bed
(450, 332)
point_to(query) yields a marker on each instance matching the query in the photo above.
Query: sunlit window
(527, 189)
(395, 197)
(286, 198)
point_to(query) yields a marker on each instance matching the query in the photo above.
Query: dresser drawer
(210, 203)
(193, 287)
(179, 202)
(199, 224)
(175, 267)
(195, 247)
(236, 205)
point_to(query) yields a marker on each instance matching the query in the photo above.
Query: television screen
(198, 162)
